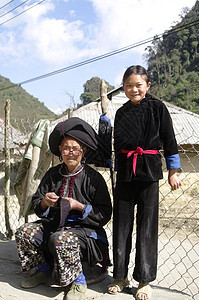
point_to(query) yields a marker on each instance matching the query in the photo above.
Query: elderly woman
(73, 204)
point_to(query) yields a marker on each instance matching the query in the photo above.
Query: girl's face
(135, 88)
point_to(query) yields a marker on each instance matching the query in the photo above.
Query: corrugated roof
(16, 140)
(185, 123)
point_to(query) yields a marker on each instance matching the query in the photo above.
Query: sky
(51, 35)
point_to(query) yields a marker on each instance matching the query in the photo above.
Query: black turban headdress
(75, 128)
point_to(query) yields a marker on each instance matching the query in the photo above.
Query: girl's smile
(135, 88)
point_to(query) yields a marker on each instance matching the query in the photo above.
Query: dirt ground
(178, 251)
(11, 276)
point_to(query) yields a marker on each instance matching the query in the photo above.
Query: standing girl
(142, 127)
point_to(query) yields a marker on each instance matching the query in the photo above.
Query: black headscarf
(76, 128)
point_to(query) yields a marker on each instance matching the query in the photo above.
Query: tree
(92, 90)
(173, 63)
(23, 106)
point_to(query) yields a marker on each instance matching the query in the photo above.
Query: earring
(83, 160)
(60, 158)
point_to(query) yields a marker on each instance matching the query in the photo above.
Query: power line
(6, 4)
(22, 12)
(110, 53)
(103, 56)
(80, 64)
(13, 8)
(85, 62)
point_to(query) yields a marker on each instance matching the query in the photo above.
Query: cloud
(58, 111)
(52, 41)
(58, 42)
(127, 22)
(118, 78)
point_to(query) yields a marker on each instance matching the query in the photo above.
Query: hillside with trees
(92, 90)
(173, 62)
(22, 104)
(26, 107)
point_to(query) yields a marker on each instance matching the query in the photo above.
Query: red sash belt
(139, 151)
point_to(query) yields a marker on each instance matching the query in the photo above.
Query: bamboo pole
(70, 112)
(103, 97)
(9, 232)
(104, 105)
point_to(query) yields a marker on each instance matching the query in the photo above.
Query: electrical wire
(6, 4)
(103, 56)
(22, 12)
(14, 8)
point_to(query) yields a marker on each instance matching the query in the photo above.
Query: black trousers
(146, 196)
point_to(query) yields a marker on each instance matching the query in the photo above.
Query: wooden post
(104, 99)
(9, 232)
(104, 105)
(70, 112)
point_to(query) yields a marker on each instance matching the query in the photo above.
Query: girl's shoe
(118, 285)
(143, 288)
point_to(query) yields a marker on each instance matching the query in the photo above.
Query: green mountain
(92, 90)
(173, 62)
(23, 106)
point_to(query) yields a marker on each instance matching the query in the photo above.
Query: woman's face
(135, 88)
(71, 152)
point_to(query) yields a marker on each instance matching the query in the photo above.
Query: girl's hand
(174, 180)
(74, 204)
(49, 200)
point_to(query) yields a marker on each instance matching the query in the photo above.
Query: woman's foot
(76, 292)
(143, 291)
(35, 279)
(117, 286)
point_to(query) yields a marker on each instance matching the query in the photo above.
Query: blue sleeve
(42, 214)
(103, 117)
(96, 236)
(173, 162)
(85, 212)
(87, 209)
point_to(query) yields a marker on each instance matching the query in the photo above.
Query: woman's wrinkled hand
(49, 200)
(74, 204)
